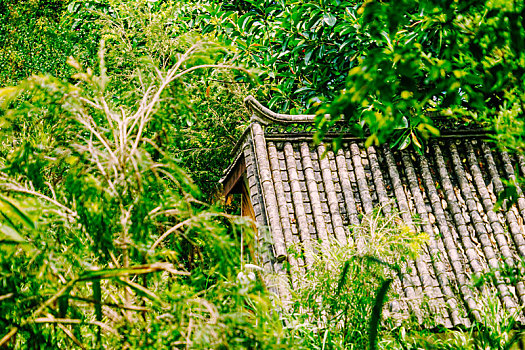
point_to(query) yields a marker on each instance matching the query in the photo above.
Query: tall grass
(337, 304)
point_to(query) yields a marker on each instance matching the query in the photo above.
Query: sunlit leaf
(8, 207)
(8, 234)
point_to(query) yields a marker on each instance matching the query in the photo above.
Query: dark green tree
(386, 67)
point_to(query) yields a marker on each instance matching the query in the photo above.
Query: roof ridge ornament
(265, 116)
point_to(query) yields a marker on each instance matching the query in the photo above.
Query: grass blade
(19, 213)
(342, 279)
(375, 318)
(97, 296)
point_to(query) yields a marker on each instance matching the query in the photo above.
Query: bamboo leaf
(9, 234)
(17, 211)
(329, 19)
(375, 318)
(140, 290)
(342, 279)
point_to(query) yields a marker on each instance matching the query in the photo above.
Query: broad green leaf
(329, 19)
(8, 207)
(405, 142)
(244, 20)
(307, 56)
(509, 195)
(9, 234)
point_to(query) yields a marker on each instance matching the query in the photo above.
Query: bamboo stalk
(6, 296)
(8, 336)
(170, 231)
(71, 335)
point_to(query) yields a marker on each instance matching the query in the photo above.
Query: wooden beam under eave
(233, 183)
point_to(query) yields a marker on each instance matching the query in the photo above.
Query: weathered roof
(303, 194)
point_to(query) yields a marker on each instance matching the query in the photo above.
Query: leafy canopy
(386, 67)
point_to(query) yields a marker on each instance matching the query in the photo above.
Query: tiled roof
(306, 194)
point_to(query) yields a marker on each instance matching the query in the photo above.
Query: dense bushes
(105, 237)
(36, 37)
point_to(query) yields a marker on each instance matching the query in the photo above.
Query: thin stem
(170, 231)
(51, 319)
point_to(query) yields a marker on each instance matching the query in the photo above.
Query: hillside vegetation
(118, 117)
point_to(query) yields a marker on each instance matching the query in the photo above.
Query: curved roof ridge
(266, 116)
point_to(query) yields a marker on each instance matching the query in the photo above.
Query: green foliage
(199, 119)
(143, 38)
(304, 49)
(104, 239)
(115, 238)
(35, 38)
(458, 59)
(385, 67)
(497, 330)
(309, 51)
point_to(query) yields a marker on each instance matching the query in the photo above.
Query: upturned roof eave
(262, 115)
(266, 116)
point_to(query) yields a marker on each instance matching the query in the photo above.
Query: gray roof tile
(302, 196)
